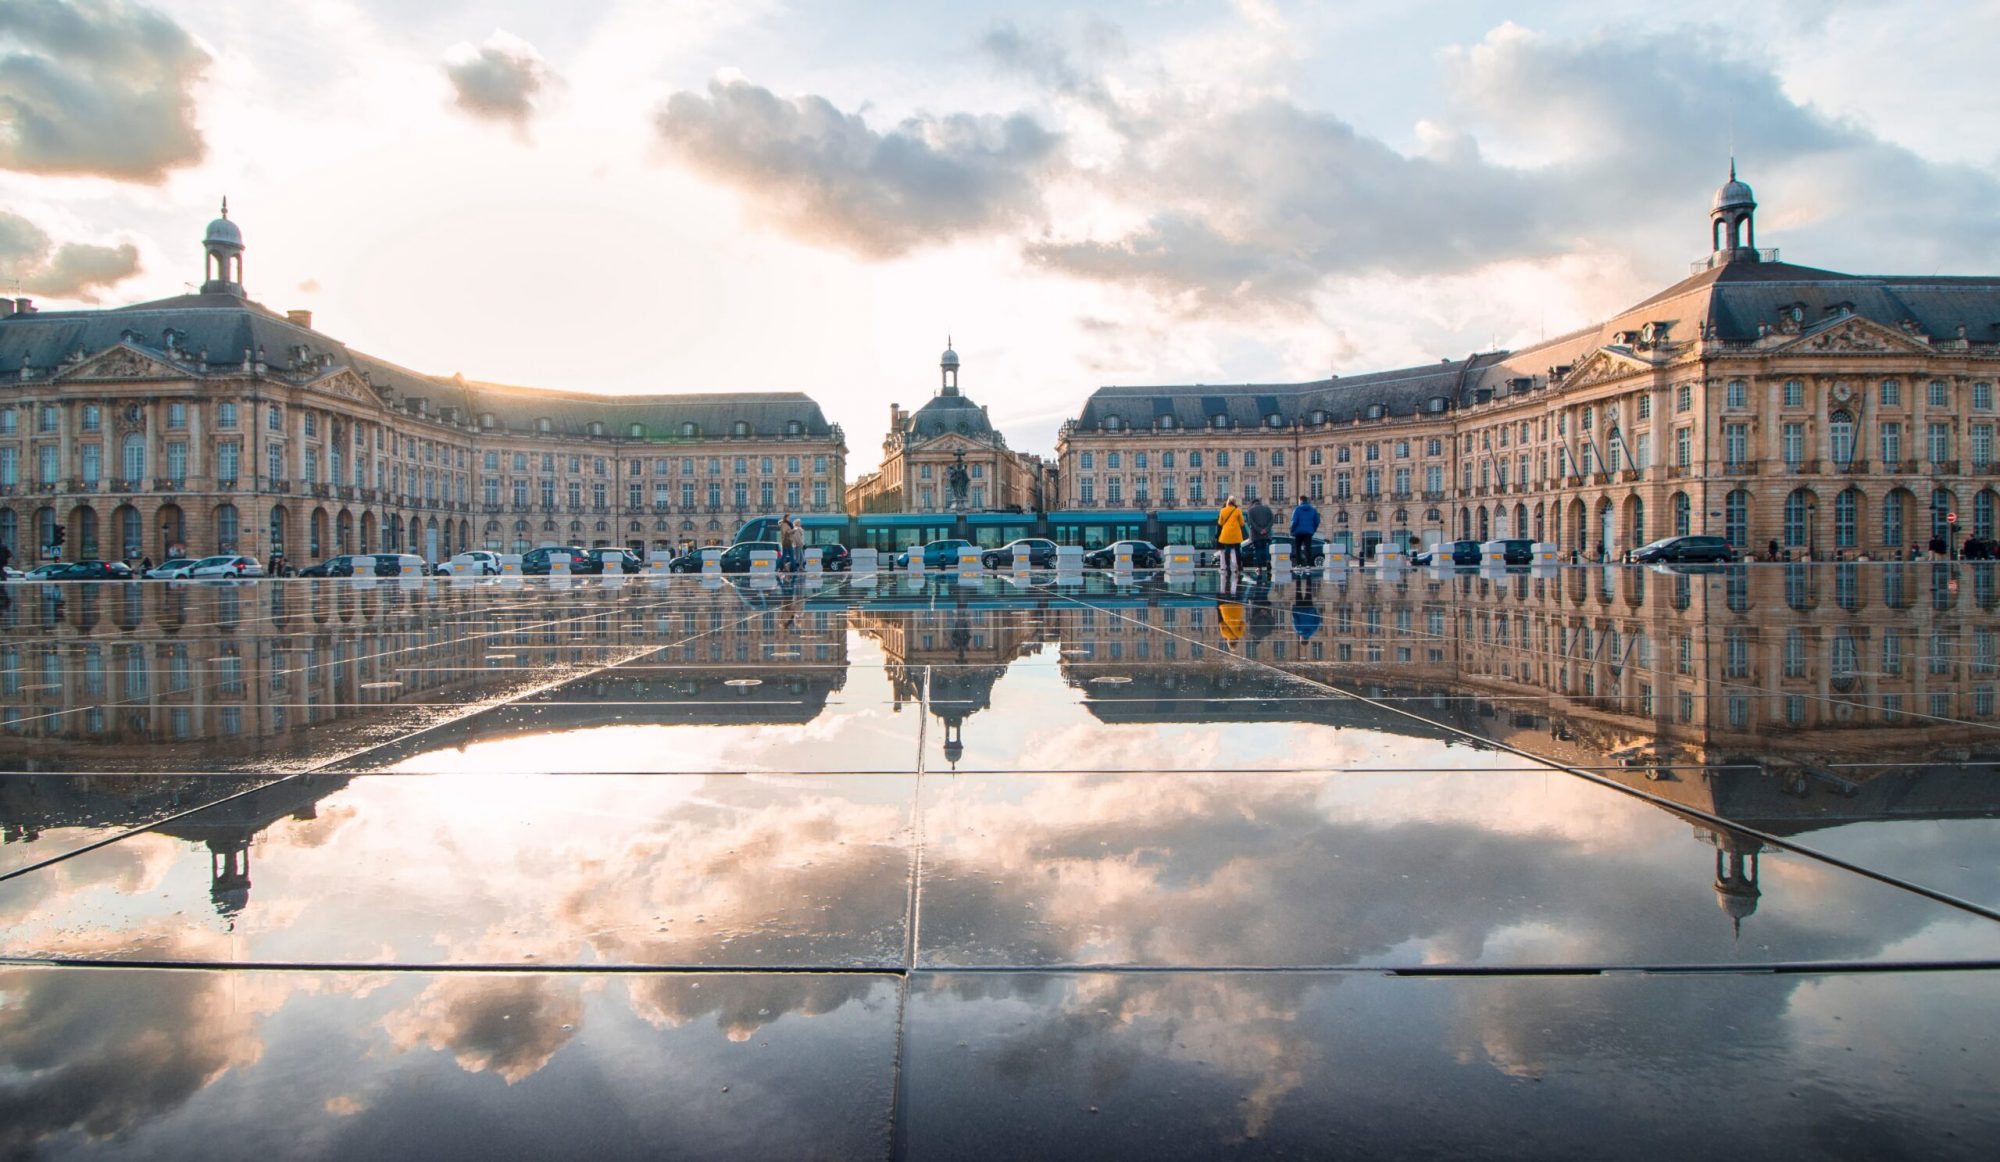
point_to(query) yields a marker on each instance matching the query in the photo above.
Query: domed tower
(948, 369)
(1732, 221)
(223, 269)
(1736, 890)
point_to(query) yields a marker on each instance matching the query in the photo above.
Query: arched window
(135, 456)
(1840, 438)
(1847, 519)
(1941, 507)
(1797, 504)
(1112, 423)
(1736, 519)
(1683, 514)
(225, 528)
(1895, 518)
(1638, 521)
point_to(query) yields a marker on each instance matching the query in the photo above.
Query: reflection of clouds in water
(1220, 869)
(100, 1052)
(509, 1025)
(135, 865)
(742, 1005)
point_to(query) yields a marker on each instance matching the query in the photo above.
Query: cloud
(501, 79)
(826, 177)
(74, 270)
(97, 87)
(509, 1025)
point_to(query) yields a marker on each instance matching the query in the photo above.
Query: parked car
(473, 562)
(1690, 549)
(1282, 545)
(937, 555)
(1519, 551)
(535, 562)
(46, 572)
(736, 558)
(92, 571)
(341, 566)
(1460, 553)
(396, 564)
(834, 558)
(1041, 554)
(606, 558)
(226, 565)
(173, 568)
(690, 561)
(1145, 555)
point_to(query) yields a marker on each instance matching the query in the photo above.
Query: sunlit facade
(1839, 416)
(207, 423)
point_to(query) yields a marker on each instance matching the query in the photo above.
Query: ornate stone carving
(1601, 367)
(1856, 336)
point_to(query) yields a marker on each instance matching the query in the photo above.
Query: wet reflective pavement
(1619, 861)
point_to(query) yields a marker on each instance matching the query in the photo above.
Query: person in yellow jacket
(1229, 534)
(1229, 619)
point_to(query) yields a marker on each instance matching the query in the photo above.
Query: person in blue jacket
(1305, 522)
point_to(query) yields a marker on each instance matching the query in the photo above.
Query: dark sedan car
(1041, 554)
(1686, 549)
(1450, 553)
(736, 558)
(690, 561)
(92, 571)
(535, 562)
(608, 559)
(1145, 555)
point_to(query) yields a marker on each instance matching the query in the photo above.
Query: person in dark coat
(1261, 521)
(1305, 522)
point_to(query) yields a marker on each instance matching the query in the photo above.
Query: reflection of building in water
(1784, 699)
(33, 804)
(964, 650)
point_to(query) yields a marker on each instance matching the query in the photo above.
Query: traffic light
(62, 535)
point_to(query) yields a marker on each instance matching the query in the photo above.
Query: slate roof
(1732, 300)
(946, 414)
(225, 326)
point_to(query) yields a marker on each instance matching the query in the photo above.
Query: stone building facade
(1837, 415)
(924, 446)
(207, 423)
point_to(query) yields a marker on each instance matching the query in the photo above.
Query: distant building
(923, 447)
(208, 423)
(1831, 413)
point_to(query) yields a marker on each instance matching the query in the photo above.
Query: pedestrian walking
(1305, 522)
(1260, 520)
(1229, 535)
(790, 537)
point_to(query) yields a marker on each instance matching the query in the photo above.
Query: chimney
(6, 307)
(300, 319)
(24, 306)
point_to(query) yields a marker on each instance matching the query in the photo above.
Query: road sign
(1951, 518)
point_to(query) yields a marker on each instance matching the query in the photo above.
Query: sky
(747, 195)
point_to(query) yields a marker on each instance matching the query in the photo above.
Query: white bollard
(763, 563)
(711, 562)
(1069, 558)
(1389, 556)
(916, 568)
(657, 567)
(510, 565)
(1493, 555)
(1179, 558)
(558, 564)
(968, 562)
(813, 561)
(1336, 559)
(1121, 559)
(1023, 561)
(1546, 554)
(1281, 563)
(863, 563)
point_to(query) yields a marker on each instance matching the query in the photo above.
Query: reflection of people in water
(1263, 616)
(1229, 616)
(1305, 612)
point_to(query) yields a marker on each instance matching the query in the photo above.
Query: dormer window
(740, 428)
(486, 421)
(1436, 404)
(1375, 411)
(1274, 420)
(1218, 421)
(544, 425)
(1319, 417)
(1111, 423)
(794, 428)
(1166, 423)
(690, 429)
(636, 431)
(596, 428)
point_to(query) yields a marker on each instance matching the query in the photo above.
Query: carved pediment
(346, 384)
(123, 362)
(1604, 364)
(1854, 335)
